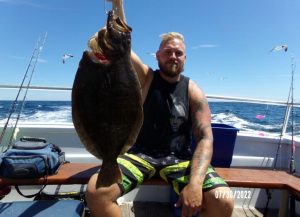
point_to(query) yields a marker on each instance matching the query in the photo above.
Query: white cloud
(20, 2)
(42, 61)
(26, 58)
(204, 46)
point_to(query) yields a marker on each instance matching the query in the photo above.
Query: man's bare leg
(102, 201)
(215, 207)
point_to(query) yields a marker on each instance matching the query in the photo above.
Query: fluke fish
(107, 108)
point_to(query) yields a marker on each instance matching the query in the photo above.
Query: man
(174, 109)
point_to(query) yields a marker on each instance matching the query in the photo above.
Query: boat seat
(80, 173)
(42, 208)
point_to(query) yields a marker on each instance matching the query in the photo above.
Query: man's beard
(171, 72)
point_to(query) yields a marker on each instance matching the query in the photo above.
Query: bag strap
(30, 195)
(44, 185)
(32, 139)
(35, 194)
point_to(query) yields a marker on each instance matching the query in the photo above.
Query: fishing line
(105, 7)
(105, 10)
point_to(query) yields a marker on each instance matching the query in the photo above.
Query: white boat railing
(7, 86)
(212, 97)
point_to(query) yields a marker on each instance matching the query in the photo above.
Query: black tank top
(166, 128)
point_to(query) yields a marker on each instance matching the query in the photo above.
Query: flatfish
(107, 108)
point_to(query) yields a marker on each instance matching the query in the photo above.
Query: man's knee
(220, 197)
(224, 196)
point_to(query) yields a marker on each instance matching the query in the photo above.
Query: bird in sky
(279, 48)
(65, 57)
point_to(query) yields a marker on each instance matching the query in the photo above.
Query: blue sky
(228, 42)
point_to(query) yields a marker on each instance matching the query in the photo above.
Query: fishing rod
(293, 145)
(34, 57)
(284, 126)
(14, 104)
(40, 47)
(289, 108)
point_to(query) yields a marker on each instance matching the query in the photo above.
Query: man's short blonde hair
(169, 36)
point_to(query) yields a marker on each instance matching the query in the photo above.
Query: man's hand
(190, 199)
(116, 1)
(117, 6)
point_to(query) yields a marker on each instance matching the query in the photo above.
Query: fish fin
(109, 174)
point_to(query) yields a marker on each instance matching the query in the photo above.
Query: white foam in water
(63, 114)
(52, 112)
(242, 124)
(230, 119)
(54, 116)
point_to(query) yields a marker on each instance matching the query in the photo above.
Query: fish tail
(109, 174)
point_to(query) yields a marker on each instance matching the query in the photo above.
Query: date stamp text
(235, 194)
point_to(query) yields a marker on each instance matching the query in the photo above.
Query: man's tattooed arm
(201, 120)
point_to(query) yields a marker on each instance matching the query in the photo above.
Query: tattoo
(199, 105)
(199, 159)
(198, 127)
(198, 130)
(203, 139)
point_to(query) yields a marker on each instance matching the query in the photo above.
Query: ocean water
(259, 119)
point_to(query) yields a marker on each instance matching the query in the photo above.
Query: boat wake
(243, 116)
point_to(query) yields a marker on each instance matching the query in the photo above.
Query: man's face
(171, 57)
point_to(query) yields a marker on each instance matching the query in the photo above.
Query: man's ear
(157, 54)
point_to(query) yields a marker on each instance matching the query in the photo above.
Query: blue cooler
(224, 141)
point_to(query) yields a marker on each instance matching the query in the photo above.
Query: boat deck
(155, 209)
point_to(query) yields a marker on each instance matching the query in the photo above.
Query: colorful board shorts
(136, 168)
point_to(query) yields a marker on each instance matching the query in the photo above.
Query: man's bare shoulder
(195, 92)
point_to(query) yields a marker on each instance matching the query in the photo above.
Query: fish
(107, 107)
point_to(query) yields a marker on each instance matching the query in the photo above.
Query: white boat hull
(250, 151)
